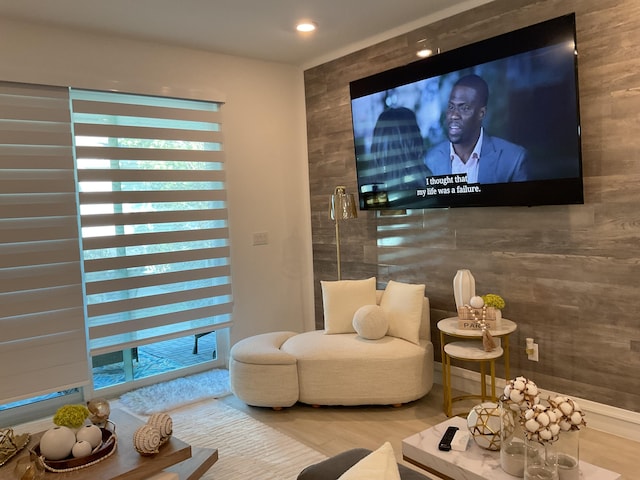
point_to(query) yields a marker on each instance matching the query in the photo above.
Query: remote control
(445, 441)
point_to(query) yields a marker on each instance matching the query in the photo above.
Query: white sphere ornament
(476, 302)
(81, 449)
(484, 425)
(91, 434)
(57, 442)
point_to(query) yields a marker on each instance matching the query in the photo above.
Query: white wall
(265, 142)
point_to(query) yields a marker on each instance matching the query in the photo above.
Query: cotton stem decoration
(521, 394)
(570, 415)
(475, 304)
(541, 423)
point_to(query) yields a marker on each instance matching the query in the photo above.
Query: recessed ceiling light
(306, 27)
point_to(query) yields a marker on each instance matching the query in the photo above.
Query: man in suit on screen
(470, 150)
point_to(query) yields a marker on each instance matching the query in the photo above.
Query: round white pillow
(370, 322)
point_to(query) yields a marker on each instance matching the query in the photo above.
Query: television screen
(488, 124)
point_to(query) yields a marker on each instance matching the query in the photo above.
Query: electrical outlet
(260, 238)
(532, 353)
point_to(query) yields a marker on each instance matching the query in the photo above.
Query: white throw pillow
(378, 465)
(370, 322)
(341, 299)
(402, 302)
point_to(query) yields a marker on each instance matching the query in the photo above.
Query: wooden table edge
(202, 459)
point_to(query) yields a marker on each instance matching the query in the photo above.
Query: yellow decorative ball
(484, 425)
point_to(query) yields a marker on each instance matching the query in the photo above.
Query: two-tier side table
(466, 345)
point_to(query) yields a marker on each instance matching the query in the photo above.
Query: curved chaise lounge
(279, 369)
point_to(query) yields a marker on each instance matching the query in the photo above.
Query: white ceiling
(261, 29)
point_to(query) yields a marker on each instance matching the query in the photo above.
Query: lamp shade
(343, 205)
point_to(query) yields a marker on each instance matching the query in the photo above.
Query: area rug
(247, 448)
(165, 396)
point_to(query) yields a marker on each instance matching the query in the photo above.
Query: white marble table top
(475, 463)
(471, 350)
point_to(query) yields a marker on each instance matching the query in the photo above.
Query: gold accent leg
(493, 380)
(483, 381)
(507, 369)
(446, 388)
(448, 405)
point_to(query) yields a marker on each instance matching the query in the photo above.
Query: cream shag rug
(247, 448)
(175, 393)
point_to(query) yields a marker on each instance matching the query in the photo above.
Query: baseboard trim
(605, 418)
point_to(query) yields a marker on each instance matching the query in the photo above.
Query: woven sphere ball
(484, 425)
(147, 440)
(163, 423)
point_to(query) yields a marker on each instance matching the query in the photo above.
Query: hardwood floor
(331, 430)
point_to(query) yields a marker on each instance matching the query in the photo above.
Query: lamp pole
(338, 247)
(343, 207)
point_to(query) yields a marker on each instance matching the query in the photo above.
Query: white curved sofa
(279, 369)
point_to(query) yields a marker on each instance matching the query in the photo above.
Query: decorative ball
(99, 410)
(541, 424)
(91, 434)
(147, 440)
(57, 442)
(476, 302)
(163, 423)
(569, 413)
(484, 425)
(81, 449)
(521, 393)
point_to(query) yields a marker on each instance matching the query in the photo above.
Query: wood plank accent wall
(570, 274)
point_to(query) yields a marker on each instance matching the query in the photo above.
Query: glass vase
(568, 451)
(511, 441)
(540, 461)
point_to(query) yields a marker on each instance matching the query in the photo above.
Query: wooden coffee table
(126, 463)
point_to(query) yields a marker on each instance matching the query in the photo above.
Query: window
(153, 215)
(130, 244)
(43, 341)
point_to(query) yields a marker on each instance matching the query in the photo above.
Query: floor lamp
(343, 207)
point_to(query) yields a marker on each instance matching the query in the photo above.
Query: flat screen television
(493, 123)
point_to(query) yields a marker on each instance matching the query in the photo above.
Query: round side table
(468, 347)
(469, 351)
